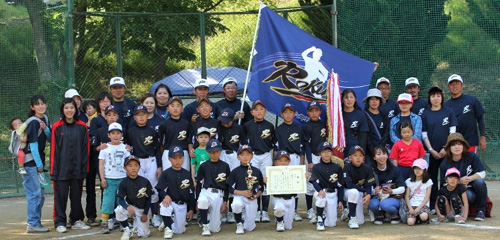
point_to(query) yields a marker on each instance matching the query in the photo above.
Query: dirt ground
(13, 226)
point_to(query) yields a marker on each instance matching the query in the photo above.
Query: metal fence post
(70, 53)
(334, 23)
(118, 37)
(203, 47)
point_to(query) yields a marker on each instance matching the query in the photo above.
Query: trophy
(250, 179)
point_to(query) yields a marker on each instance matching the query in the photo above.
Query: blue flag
(292, 66)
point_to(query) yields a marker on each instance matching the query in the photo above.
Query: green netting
(426, 39)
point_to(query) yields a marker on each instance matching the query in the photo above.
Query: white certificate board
(286, 179)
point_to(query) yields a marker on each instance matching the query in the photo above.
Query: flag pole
(261, 5)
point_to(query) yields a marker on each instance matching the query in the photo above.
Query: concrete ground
(13, 226)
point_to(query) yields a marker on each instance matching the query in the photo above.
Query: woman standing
(37, 134)
(355, 124)
(162, 95)
(378, 124)
(148, 100)
(437, 123)
(69, 155)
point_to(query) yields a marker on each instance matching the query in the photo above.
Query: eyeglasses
(230, 88)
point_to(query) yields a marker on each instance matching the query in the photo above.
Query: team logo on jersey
(182, 135)
(235, 139)
(354, 124)
(445, 121)
(142, 193)
(266, 133)
(157, 127)
(381, 125)
(390, 114)
(293, 137)
(322, 133)
(185, 184)
(221, 177)
(466, 109)
(360, 182)
(469, 170)
(148, 140)
(421, 111)
(334, 178)
(213, 132)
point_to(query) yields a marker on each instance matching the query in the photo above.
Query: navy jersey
(33, 137)
(231, 138)
(327, 175)
(214, 175)
(419, 106)
(101, 136)
(125, 109)
(314, 134)
(211, 123)
(135, 191)
(355, 123)
(144, 142)
(97, 123)
(360, 178)
(235, 105)
(390, 176)
(239, 180)
(190, 109)
(390, 109)
(379, 130)
(261, 136)
(467, 167)
(82, 116)
(289, 138)
(161, 111)
(174, 132)
(448, 194)
(178, 185)
(153, 122)
(467, 110)
(437, 125)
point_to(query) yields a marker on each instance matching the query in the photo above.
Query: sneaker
(92, 222)
(353, 223)
(195, 216)
(257, 219)
(105, 229)
(297, 217)
(127, 233)
(265, 217)
(111, 224)
(372, 215)
(320, 226)
(436, 220)
(223, 218)
(61, 229)
(230, 217)
(206, 230)
(22, 171)
(459, 221)
(239, 228)
(433, 212)
(156, 221)
(80, 225)
(379, 220)
(161, 227)
(36, 229)
(345, 215)
(168, 233)
(310, 214)
(280, 226)
(479, 216)
(395, 220)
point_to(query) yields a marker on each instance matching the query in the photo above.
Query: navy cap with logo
(258, 102)
(110, 108)
(325, 145)
(202, 100)
(282, 153)
(244, 148)
(226, 115)
(174, 98)
(140, 108)
(289, 106)
(313, 104)
(130, 159)
(175, 150)
(352, 150)
(213, 145)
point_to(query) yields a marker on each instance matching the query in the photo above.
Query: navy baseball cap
(174, 98)
(131, 158)
(289, 106)
(282, 153)
(213, 145)
(110, 108)
(325, 145)
(352, 150)
(140, 108)
(203, 130)
(202, 100)
(245, 147)
(226, 115)
(313, 104)
(175, 150)
(258, 102)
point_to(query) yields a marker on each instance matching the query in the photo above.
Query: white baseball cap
(455, 77)
(115, 126)
(383, 80)
(114, 81)
(201, 83)
(411, 81)
(405, 97)
(71, 93)
(374, 93)
(228, 80)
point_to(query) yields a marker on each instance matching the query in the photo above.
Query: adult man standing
(390, 108)
(469, 113)
(413, 88)
(230, 88)
(201, 89)
(122, 105)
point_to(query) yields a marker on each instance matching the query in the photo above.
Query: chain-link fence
(426, 39)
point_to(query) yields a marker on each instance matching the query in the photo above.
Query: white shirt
(114, 160)
(419, 195)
